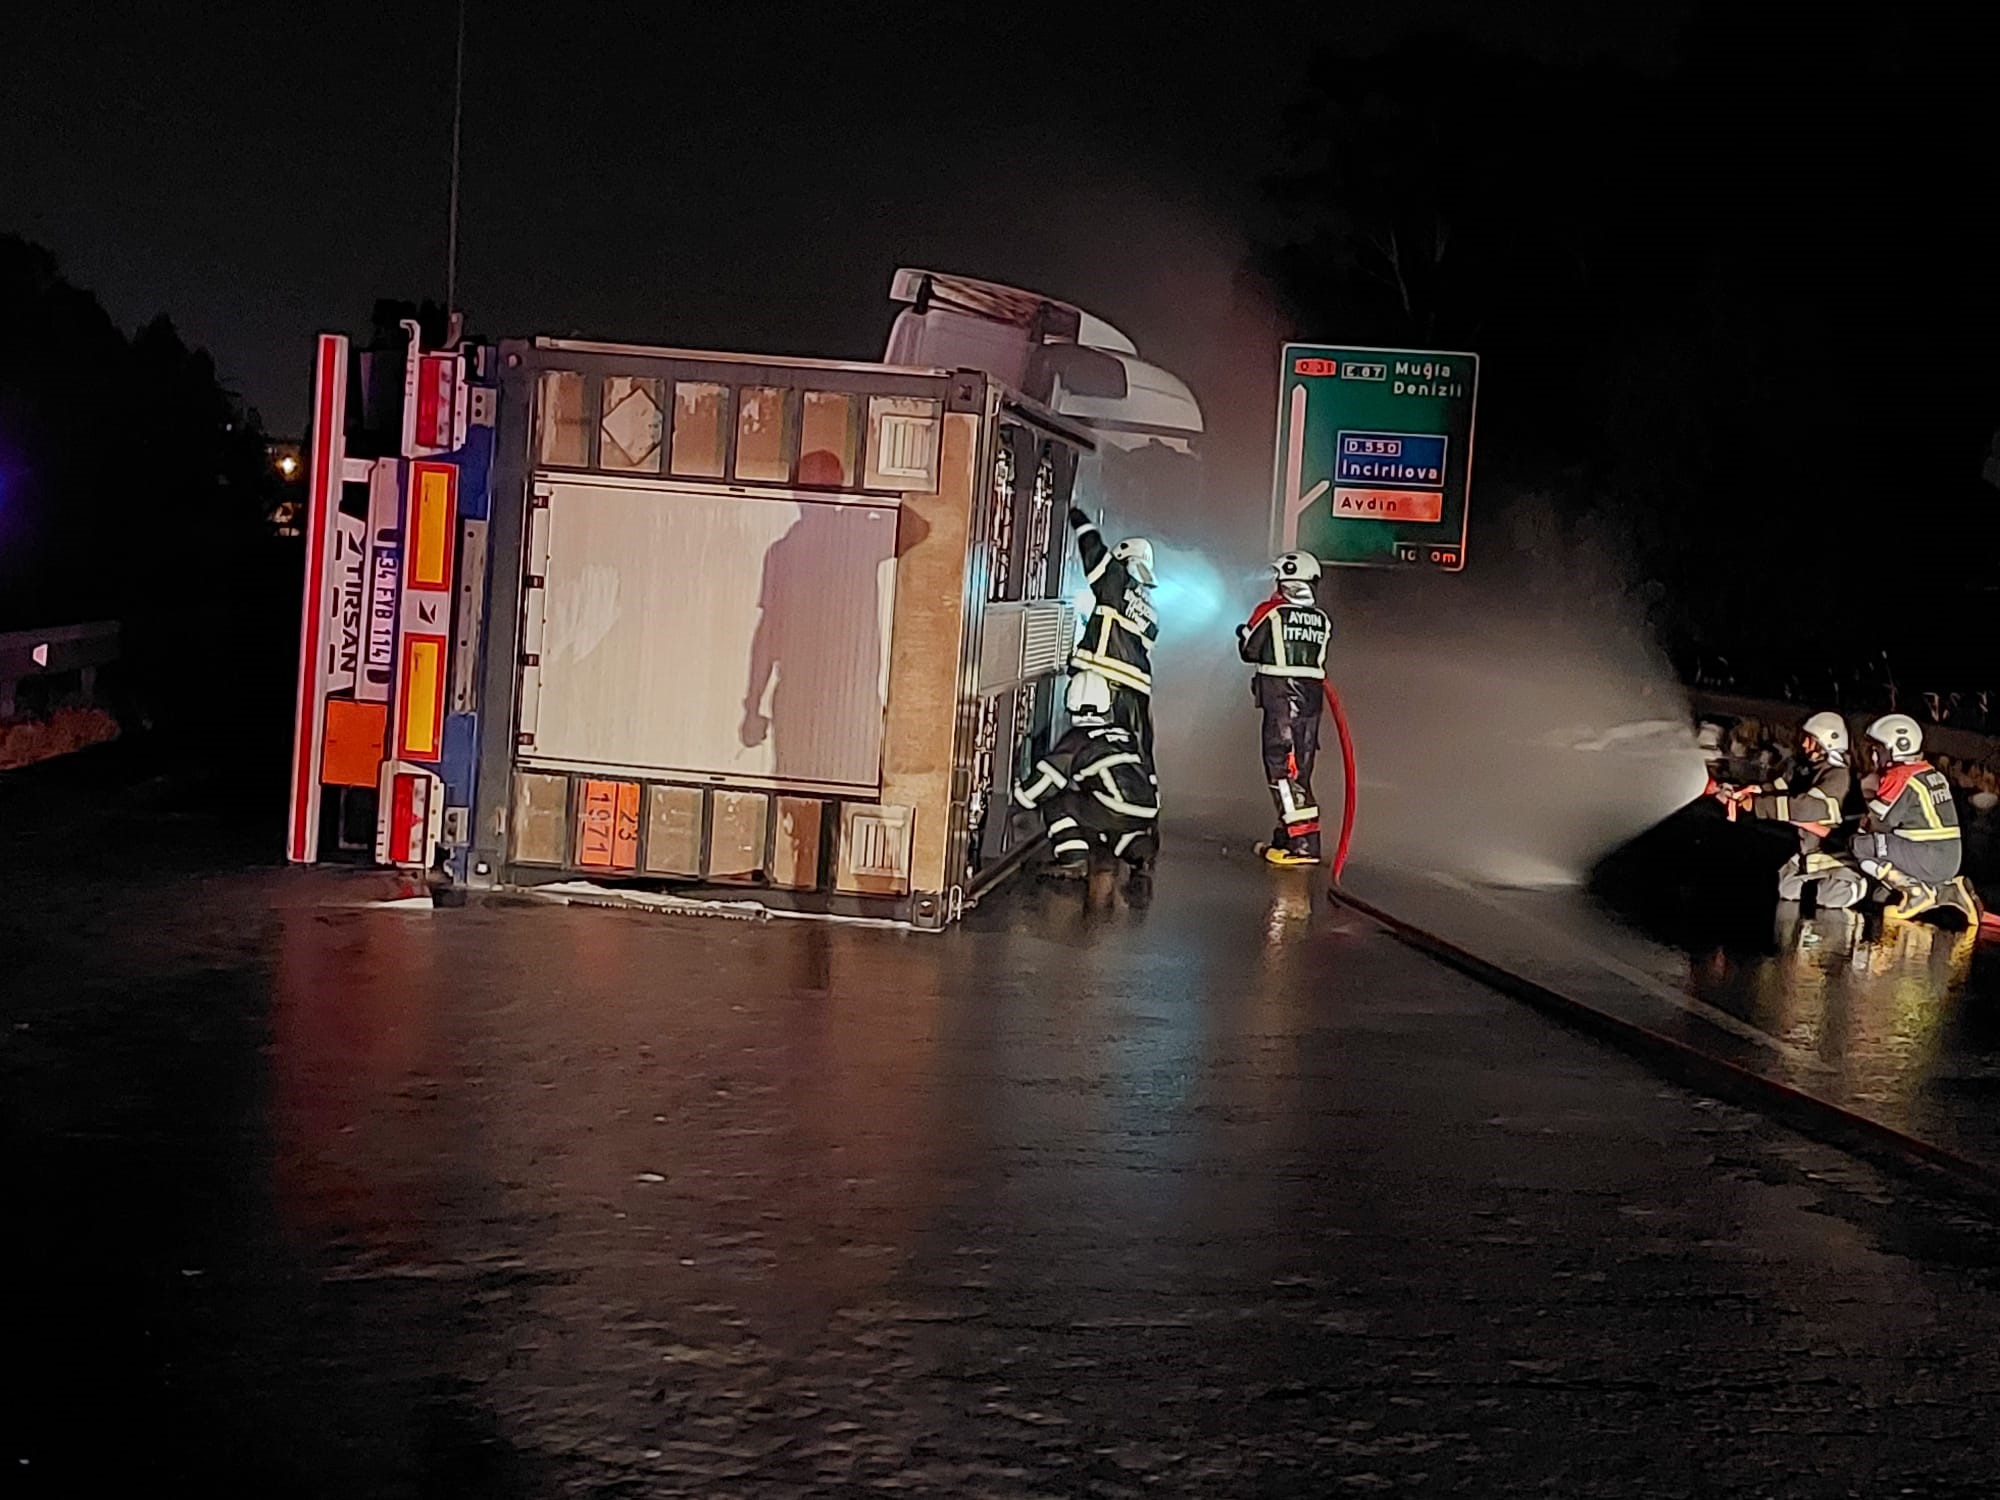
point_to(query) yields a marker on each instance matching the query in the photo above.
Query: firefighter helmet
(1137, 555)
(1089, 697)
(1899, 734)
(1296, 567)
(1829, 729)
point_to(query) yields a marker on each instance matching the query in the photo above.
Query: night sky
(741, 176)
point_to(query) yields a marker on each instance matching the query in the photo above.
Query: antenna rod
(457, 114)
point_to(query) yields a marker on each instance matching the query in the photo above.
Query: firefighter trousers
(1133, 710)
(1291, 707)
(1079, 824)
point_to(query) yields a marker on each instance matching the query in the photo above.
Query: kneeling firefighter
(1813, 800)
(1095, 788)
(1909, 839)
(1285, 640)
(1118, 641)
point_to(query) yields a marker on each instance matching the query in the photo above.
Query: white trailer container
(766, 627)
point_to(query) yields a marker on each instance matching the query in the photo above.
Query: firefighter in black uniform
(1286, 640)
(1909, 839)
(1117, 644)
(1095, 788)
(1814, 801)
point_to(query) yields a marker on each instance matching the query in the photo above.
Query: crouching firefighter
(1909, 838)
(1813, 800)
(1285, 640)
(1095, 789)
(1117, 642)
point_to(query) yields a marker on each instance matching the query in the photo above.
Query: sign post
(1374, 456)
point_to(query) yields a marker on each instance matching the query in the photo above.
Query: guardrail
(1967, 745)
(58, 651)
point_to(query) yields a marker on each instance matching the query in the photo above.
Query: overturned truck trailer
(624, 622)
(640, 620)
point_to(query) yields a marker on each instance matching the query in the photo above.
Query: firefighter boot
(1914, 899)
(1958, 894)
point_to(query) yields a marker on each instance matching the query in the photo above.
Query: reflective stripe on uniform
(1050, 778)
(1120, 673)
(1924, 800)
(1935, 829)
(1119, 805)
(1290, 807)
(1125, 840)
(1315, 672)
(1123, 758)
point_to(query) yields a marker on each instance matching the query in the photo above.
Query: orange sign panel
(607, 825)
(1388, 505)
(354, 735)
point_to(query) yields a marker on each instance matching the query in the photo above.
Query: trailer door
(727, 637)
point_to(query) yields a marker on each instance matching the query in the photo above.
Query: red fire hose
(1347, 771)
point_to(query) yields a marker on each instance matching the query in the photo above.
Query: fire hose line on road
(1930, 1165)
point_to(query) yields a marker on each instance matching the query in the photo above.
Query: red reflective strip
(427, 402)
(1295, 829)
(304, 783)
(406, 817)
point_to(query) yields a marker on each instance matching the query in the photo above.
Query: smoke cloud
(1514, 723)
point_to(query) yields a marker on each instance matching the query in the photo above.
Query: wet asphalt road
(1682, 933)
(1225, 1196)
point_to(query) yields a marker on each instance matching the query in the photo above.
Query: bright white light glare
(1190, 596)
(288, 466)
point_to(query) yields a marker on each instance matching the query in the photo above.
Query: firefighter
(1909, 838)
(1118, 641)
(1285, 640)
(1095, 789)
(1813, 800)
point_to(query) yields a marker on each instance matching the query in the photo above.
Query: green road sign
(1374, 455)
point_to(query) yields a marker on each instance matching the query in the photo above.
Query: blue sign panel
(1391, 460)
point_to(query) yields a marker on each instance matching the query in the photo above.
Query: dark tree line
(135, 487)
(1742, 316)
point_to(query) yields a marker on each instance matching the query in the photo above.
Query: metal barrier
(59, 650)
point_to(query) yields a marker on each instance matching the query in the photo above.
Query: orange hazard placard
(607, 825)
(354, 734)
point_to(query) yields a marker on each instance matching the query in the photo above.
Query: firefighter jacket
(1286, 640)
(1813, 800)
(1913, 810)
(1101, 767)
(1118, 642)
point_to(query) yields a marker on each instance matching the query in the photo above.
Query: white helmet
(1296, 567)
(1089, 697)
(1830, 730)
(1137, 555)
(1899, 734)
